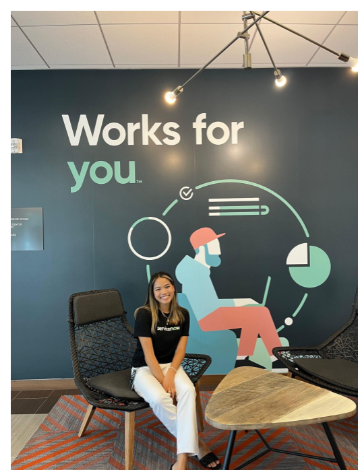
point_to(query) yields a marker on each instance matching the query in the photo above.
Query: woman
(162, 329)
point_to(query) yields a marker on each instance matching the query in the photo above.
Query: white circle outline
(150, 257)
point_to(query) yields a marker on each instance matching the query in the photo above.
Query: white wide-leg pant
(180, 420)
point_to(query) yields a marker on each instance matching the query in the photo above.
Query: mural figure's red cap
(203, 236)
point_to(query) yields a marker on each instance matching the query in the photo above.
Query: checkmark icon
(186, 193)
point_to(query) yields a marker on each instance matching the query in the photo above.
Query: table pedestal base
(338, 457)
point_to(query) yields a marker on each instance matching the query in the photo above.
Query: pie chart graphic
(309, 266)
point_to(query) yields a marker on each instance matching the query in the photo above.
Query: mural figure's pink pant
(253, 321)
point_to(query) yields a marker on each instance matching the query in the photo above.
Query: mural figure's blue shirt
(198, 288)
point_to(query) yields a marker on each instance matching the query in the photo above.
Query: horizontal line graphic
(233, 213)
(235, 199)
(233, 207)
(257, 210)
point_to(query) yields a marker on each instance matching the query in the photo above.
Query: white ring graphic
(150, 257)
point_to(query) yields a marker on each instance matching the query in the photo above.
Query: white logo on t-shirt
(168, 328)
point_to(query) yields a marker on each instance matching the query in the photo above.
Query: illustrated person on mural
(215, 314)
(162, 330)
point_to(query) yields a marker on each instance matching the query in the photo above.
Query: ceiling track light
(280, 80)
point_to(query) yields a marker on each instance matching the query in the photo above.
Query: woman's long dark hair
(175, 317)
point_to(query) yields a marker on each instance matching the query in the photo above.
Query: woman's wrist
(173, 369)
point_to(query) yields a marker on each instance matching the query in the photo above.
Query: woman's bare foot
(204, 450)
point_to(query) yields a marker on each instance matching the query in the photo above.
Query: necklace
(165, 315)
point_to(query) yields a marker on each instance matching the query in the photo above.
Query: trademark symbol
(139, 181)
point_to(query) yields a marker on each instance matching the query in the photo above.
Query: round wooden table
(251, 398)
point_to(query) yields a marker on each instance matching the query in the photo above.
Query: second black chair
(333, 363)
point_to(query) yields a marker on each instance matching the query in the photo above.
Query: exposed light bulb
(353, 63)
(170, 97)
(280, 81)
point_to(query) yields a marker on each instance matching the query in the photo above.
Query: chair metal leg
(89, 414)
(129, 439)
(334, 446)
(229, 450)
(199, 414)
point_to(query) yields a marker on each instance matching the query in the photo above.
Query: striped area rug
(55, 444)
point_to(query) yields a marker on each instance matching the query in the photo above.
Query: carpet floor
(55, 444)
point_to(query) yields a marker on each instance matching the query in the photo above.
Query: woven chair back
(344, 343)
(102, 346)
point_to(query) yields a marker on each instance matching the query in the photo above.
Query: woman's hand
(169, 383)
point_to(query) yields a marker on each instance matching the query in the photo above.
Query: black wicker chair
(102, 342)
(341, 345)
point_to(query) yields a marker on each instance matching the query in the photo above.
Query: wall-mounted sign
(27, 229)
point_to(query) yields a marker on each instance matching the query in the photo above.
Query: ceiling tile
(82, 66)
(69, 44)
(211, 17)
(310, 17)
(13, 22)
(344, 38)
(351, 17)
(116, 17)
(49, 18)
(201, 42)
(338, 64)
(142, 44)
(280, 65)
(212, 66)
(22, 52)
(142, 66)
(286, 47)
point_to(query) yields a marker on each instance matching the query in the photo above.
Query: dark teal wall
(299, 141)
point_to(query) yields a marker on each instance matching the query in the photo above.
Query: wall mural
(221, 190)
(212, 319)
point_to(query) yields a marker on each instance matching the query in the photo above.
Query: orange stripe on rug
(79, 417)
(251, 452)
(345, 457)
(44, 428)
(146, 444)
(54, 454)
(45, 442)
(324, 445)
(136, 463)
(81, 459)
(165, 444)
(280, 457)
(144, 421)
(340, 428)
(249, 440)
(101, 410)
(51, 464)
(95, 416)
(324, 467)
(326, 450)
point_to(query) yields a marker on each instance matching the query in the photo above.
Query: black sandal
(209, 458)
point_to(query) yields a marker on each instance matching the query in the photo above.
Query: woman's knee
(187, 390)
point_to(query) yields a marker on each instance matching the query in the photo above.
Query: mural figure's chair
(222, 344)
(332, 364)
(102, 346)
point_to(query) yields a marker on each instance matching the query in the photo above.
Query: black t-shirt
(166, 339)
